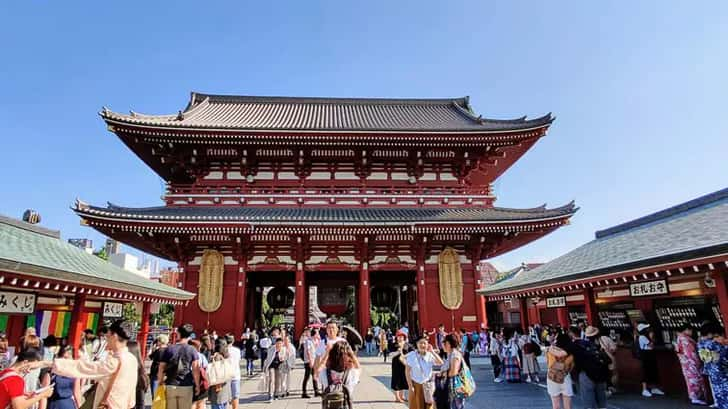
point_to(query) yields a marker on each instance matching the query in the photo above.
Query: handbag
(160, 398)
(219, 371)
(463, 383)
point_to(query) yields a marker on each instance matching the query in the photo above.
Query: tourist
(199, 399)
(692, 367)
(530, 350)
(206, 347)
(340, 367)
(383, 344)
(251, 352)
(445, 396)
(220, 395)
(496, 349)
(160, 344)
(66, 390)
(116, 375)
(650, 376)
(398, 381)
(610, 348)
(142, 385)
(31, 378)
(179, 369)
(420, 375)
(12, 386)
(265, 343)
(290, 362)
(272, 370)
(439, 338)
(483, 341)
(510, 356)
(593, 366)
(29, 332)
(332, 337)
(558, 379)
(5, 356)
(369, 342)
(86, 349)
(405, 329)
(234, 357)
(713, 350)
(309, 345)
(466, 346)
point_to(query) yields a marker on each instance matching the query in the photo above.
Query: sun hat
(641, 327)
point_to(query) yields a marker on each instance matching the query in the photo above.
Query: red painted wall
(437, 314)
(222, 320)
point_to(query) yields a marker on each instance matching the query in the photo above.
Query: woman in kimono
(713, 352)
(692, 366)
(511, 361)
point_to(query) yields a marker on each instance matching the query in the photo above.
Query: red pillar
(300, 316)
(77, 323)
(144, 331)
(422, 298)
(364, 303)
(479, 299)
(590, 307)
(485, 312)
(523, 310)
(563, 314)
(240, 301)
(179, 309)
(721, 290)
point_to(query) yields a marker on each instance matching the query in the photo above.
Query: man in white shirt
(310, 343)
(265, 344)
(332, 337)
(234, 359)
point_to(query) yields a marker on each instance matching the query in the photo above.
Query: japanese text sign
(556, 302)
(113, 310)
(17, 303)
(648, 288)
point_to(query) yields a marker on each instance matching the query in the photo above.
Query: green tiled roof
(693, 229)
(32, 250)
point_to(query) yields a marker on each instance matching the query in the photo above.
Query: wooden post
(364, 303)
(77, 323)
(721, 290)
(300, 315)
(240, 301)
(523, 310)
(590, 308)
(563, 314)
(144, 332)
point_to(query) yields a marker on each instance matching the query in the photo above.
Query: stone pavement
(373, 392)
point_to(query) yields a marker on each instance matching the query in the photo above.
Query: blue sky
(639, 90)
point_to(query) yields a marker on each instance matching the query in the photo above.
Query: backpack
(557, 372)
(335, 395)
(596, 363)
(177, 366)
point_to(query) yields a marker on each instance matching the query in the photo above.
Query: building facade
(374, 194)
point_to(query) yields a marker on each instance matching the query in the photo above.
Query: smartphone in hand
(43, 389)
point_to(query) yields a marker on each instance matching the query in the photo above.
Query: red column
(485, 310)
(179, 309)
(240, 300)
(721, 290)
(590, 307)
(523, 310)
(144, 332)
(364, 302)
(300, 316)
(563, 314)
(77, 323)
(422, 297)
(479, 299)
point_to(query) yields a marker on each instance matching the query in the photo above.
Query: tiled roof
(30, 249)
(328, 215)
(695, 228)
(328, 114)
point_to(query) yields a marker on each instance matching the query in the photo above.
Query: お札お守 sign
(556, 302)
(647, 288)
(113, 310)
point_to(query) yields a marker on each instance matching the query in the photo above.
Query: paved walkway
(373, 392)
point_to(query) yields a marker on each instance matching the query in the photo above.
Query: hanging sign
(113, 310)
(556, 302)
(17, 303)
(648, 288)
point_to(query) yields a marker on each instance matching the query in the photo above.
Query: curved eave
(43, 272)
(144, 122)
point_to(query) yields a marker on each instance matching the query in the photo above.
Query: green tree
(131, 314)
(102, 254)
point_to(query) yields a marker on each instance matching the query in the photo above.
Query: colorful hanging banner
(56, 323)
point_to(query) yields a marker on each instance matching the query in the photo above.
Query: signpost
(113, 310)
(556, 302)
(17, 303)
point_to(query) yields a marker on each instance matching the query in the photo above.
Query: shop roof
(691, 229)
(326, 215)
(264, 113)
(33, 250)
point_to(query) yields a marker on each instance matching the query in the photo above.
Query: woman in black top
(160, 344)
(399, 378)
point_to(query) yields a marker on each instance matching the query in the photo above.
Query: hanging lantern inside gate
(384, 298)
(280, 299)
